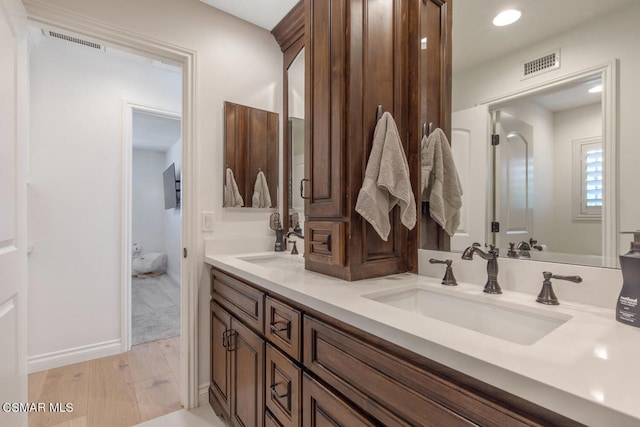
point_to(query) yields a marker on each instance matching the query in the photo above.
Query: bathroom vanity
(291, 347)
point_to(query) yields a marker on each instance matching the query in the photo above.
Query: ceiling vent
(72, 39)
(543, 64)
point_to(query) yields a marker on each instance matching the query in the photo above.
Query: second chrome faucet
(492, 286)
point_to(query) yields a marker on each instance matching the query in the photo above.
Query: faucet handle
(547, 296)
(448, 279)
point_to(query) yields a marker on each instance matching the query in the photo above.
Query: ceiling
(263, 13)
(476, 40)
(154, 132)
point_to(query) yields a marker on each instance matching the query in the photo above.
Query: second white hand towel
(440, 182)
(386, 180)
(261, 196)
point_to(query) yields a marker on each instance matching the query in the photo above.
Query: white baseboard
(203, 394)
(70, 356)
(174, 276)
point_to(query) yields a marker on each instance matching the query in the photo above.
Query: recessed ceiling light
(596, 89)
(506, 17)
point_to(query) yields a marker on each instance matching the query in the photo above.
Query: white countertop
(587, 369)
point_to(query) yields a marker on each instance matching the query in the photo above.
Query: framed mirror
(289, 33)
(251, 157)
(295, 136)
(559, 183)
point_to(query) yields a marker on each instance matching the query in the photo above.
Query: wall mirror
(560, 182)
(251, 157)
(295, 136)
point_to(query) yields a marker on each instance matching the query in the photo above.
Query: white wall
(570, 236)
(172, 217)
(147, 200)
(235, 61)
(75, 194)
(608, 38)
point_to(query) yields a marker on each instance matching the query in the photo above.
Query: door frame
(128, 108)
(52, 16)
(608, 71)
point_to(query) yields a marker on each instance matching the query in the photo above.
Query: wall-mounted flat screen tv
(171, 188)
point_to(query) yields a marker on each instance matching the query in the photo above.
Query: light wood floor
(121, 390)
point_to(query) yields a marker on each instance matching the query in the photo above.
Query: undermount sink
(275, 260)
(510, 322)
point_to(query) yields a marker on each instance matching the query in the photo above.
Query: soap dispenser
(627, 309)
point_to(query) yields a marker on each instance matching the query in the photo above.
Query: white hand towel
(386, 180)
(261, 196)
(232, 197)
(440, 182)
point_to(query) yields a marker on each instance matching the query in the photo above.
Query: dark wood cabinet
(247, 369)
(220, 357)
(237, 362)
(361, 55)
(348, 377)
(322, 408)
(284, 387)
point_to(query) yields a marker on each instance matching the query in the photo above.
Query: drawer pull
(277, 395)
(226, 338)
(275, 326)
(326, 244)
(302, 188)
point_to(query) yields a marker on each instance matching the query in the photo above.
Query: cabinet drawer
(321, 407)
(325, 242)
(270, 420)
(283, 327)
(392, 390)
(242, 300)
(282, 387)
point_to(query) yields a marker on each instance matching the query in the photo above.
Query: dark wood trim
(290, 28)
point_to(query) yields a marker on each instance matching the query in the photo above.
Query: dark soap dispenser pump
(627, 309)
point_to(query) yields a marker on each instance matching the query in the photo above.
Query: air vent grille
(548, 62)
(75, 40)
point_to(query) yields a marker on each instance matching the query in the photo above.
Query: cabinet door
(325, 105)
(247, 366)
(220, 357)
(323, 408)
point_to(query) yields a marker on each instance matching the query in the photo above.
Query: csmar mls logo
(36, 407)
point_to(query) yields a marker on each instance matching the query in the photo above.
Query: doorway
(75, 167)
(156, 164)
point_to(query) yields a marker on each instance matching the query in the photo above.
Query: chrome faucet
(492, 286)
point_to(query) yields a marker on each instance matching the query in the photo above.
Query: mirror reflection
(548, 190)
(295, 163)
(251, 157)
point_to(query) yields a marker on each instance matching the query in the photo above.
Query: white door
(470, 148)
(514, 180)
(13, 267)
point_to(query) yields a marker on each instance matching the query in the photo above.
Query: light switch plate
(207, 221)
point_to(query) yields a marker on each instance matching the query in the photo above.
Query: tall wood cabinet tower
(361, 54)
